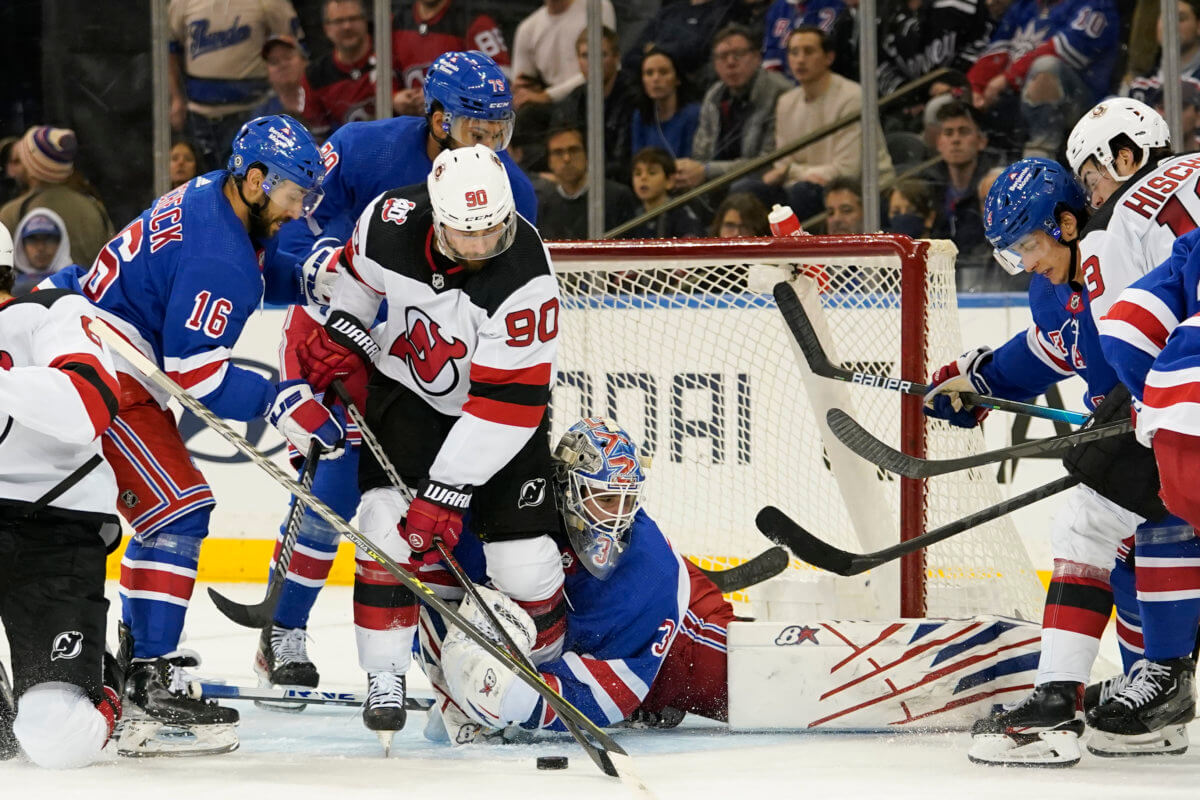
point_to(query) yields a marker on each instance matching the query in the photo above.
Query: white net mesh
(683, 345)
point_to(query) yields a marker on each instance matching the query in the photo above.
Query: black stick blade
(802, 331)
(765, 565)
(783, 530)
(255, 616)
(863, 443)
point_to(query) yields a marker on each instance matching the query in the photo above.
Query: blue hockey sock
(1168, 589)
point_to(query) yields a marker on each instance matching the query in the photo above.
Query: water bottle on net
(783, 221)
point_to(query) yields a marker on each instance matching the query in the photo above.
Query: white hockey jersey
(58, 394)
(477, 345)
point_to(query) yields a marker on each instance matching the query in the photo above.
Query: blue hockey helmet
(1026, 198)
(600, 477)
(474, 94)
(287, 151)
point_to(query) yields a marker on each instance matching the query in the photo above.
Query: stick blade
(798, 323)
(863, 443)
(765, 565)
(783, 530)
(255, 616)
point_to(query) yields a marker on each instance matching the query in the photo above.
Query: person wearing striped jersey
(463, 369)
(179, 283)
(645, 628)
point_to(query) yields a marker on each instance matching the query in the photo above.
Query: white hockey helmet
(1092, 136)
(474, 216)
(6, 248)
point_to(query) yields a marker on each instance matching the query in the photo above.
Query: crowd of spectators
(692, 89)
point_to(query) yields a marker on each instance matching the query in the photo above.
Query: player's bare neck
(239, 208)
(5, 297)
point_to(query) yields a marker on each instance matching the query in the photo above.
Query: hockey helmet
(289, 154)
(600, 477)
(474, 216)
(474, 96)
(1092, 136)
(1026, 198)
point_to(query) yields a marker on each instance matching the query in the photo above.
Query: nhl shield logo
(129, 498)
(532, 494)
(438, 280)
(67, 645)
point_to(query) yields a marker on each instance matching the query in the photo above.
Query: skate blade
(146, 738)
(1170, 741)
(385, 739)
(264, 682)
(1047, 749)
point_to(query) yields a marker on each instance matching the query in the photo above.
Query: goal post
(680, 341)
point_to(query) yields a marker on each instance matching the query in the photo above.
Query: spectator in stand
(183, 166)
(340, 86)
(216, 67)
(919, 36)
(685, 29)
(562, 212)
(48, 158)
(652, 171)
(737, 114)
(12, 178)
(1057, 57)
(836, 17)
(910, 209)
(1148, 87)
(662, 114)
(952, 86)
(286, 62)
(424, 29)
(822, 97)
(740, 214)
(544, 58)
(954, 180)
(843, 206)
(43, 248)
(618, 104)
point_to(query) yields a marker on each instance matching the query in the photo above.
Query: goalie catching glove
(1118, 468)
(343, 349)
(303, 420)
(942, 401)
(435, 513)
(485, 689)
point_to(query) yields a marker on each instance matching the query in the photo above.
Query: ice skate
(1149, 715)
(163, 719)
(384, 710)
(1041, 731)
(282, 661)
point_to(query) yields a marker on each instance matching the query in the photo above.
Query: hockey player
(58, 394)
(179, 282)
(465, 362)
(467, 100)
(645, 628)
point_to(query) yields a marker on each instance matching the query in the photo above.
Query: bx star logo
(796, 634)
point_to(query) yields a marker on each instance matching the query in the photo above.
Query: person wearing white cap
(43, 247)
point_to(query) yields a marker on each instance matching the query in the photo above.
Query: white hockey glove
(319, 272)
(484, 688)
(303, 420)
(961, 375)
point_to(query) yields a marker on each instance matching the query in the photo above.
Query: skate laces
(385, 689)
(1111, 687)
(289, 645)
(180, 678)
(1143, 685)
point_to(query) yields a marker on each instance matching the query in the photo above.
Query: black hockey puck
(552, 762)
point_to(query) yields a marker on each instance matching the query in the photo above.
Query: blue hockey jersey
(362, 161)
(1152, 337)
(179, 282)
(783, 17)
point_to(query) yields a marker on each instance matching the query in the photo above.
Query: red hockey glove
(341, 349)
(435, 513)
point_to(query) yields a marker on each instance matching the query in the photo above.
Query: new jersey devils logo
(68, 644)
(429, 355)
(532, 494)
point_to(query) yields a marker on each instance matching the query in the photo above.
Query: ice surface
(326, 752)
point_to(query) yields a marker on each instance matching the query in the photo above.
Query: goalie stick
(214, 690)
(607, 754)
(864, 444)
(780, 528)
(766, 564)
(818, 361)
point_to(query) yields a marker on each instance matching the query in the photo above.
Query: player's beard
(260, 226)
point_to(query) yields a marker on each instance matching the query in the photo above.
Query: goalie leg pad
(1044, 749)
(1170, 741)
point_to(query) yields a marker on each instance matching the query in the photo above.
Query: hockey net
(681, 342)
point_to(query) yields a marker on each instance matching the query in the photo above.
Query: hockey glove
(435, 513)
(302, 420)
(341, 349)
(1118, 467)
(942, 401)
(319, 272)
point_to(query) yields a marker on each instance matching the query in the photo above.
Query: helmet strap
(256, 209)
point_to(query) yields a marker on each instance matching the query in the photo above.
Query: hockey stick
(818, 361)
(766, 564)
(262, 614)
(211, 690)
(607, 751)
(778, 527)
(863, 443)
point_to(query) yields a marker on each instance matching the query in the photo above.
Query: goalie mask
(474, 216)
(600, 477)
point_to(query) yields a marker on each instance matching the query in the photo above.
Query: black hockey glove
(1118, 467)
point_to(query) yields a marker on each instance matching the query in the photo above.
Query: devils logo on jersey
(431, 358)
(6, 359)
(67, 645)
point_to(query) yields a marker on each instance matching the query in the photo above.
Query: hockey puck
(552, 762)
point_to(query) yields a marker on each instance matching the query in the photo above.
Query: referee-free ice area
(326, 752)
